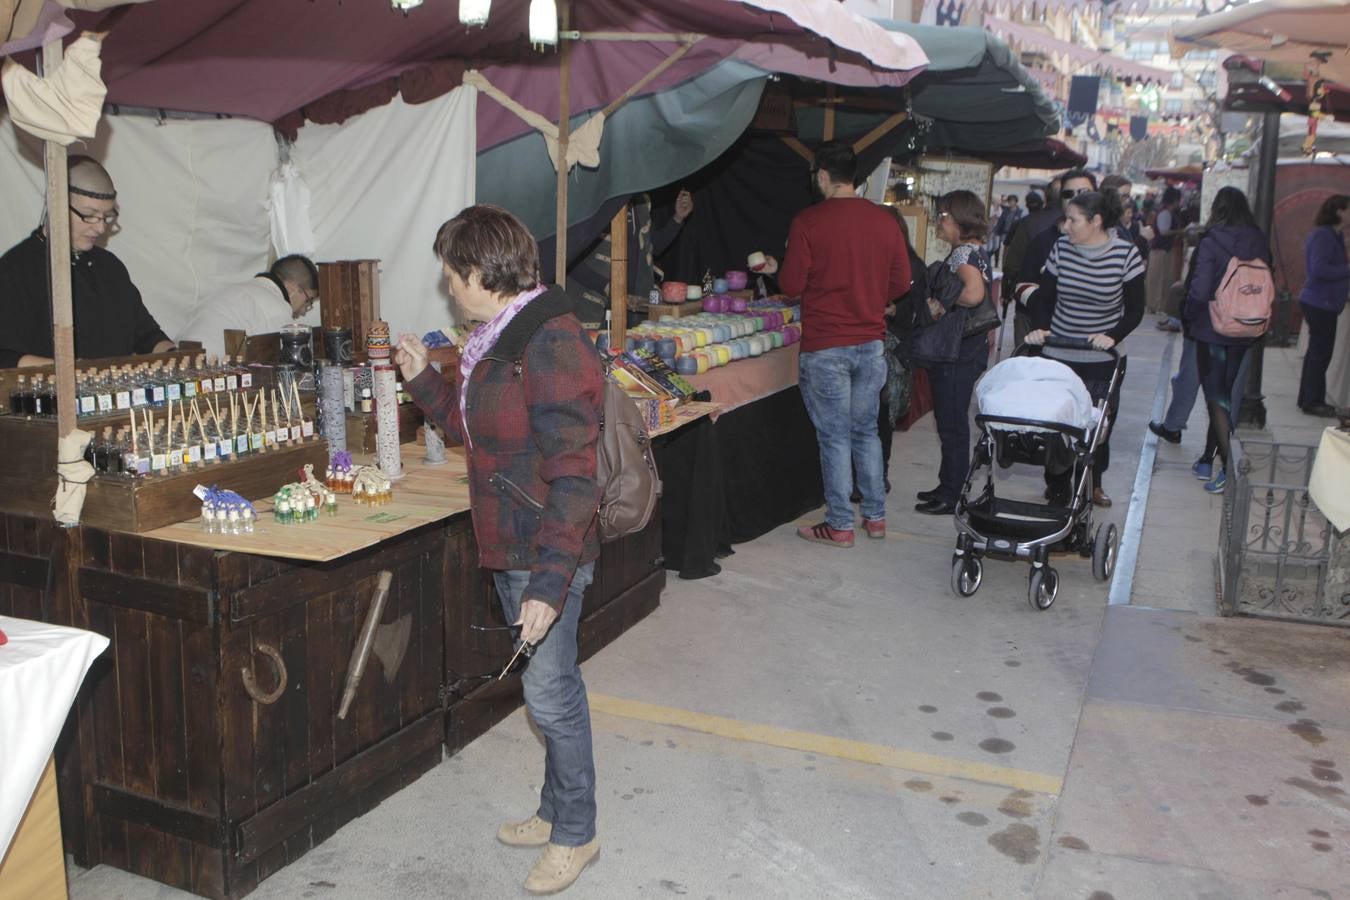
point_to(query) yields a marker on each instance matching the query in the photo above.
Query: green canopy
(978, 96)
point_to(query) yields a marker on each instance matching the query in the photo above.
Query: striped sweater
(1090, 290)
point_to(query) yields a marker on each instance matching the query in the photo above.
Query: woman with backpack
(1322, 300)
(1218, 277)
(527, 408)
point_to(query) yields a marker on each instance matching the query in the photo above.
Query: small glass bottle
(18, 399)
(367, 401)
(208, 517)
(85, 404)
(246, 517)
(37, 406)
(330, 504)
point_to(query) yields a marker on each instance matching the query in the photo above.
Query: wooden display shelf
(28, 480)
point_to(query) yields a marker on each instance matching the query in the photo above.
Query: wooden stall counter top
(425, 494)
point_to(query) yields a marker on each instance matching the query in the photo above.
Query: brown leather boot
(533, 832)
(558, 867)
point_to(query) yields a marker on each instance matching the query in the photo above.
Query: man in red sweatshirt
(846, 258)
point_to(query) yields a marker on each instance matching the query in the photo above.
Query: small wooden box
(674, 310)
(28, 480)
(349, 297)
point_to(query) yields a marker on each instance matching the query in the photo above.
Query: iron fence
(1278, 555)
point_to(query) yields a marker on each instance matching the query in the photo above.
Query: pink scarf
(483, 340)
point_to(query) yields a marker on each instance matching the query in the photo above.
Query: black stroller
(1019, 530)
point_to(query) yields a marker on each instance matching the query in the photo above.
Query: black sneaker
(1172, 437)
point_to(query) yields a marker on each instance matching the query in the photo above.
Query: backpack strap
(515, 337)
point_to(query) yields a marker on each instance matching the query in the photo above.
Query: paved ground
(821, 723)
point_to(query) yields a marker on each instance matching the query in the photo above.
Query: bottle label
(296, 432)
(255, 441)
(219, 383)
(138, 397)
(157, 461)
(208, 451)
(231, 382)
(194, 454)
(86, 405)
(105, 402)
(124, 400)
(157, 395)
(143, 465)
(226, 447)
(246, 379)
(271, 438)
(189, 389)
(176, 458)
(174, 391)
(307, 429)
(241, 443)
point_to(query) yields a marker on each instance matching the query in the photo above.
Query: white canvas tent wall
(193, 196)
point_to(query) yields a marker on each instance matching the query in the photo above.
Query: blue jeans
(556, 699)
(952, 384)
(841, 387)
(1186, 387)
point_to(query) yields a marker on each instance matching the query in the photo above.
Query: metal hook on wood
(278, 665)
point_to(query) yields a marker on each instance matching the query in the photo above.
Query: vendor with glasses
(110, 318)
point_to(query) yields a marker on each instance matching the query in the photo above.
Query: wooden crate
(349, 297)
(28, 480)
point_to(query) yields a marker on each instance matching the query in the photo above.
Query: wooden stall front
(206, 751)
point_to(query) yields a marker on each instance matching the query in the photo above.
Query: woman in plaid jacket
(527, 409)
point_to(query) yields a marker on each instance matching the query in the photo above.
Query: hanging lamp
(474, 12)
(544, 23)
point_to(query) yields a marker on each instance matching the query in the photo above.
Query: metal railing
(1278, 555)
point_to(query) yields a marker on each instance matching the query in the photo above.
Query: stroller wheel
(967, 573)
(1104, 552)
(1043, 589)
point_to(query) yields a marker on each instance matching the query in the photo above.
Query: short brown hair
(1330, 211)
(495, 244)
(967, 210)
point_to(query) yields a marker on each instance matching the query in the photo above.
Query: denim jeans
(1186, 387)
(841, 387)
(952, 384)
(556, 699)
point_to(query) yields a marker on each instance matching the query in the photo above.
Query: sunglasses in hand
(518, 661)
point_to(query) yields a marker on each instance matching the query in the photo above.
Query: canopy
(270, 59)
(1183, 175)
(975, 92)
(1298, 31)
(1029, 36)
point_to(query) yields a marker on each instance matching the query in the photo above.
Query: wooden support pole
(830, 97)
(58, 262)
(564, 131)
(798, 148)
(879, 132)
(618, 278)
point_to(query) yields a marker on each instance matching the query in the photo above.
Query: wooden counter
(186, 761)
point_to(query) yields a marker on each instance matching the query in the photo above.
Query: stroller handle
(1072, 343)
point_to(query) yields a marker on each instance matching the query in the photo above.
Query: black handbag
(984, 317)
(940, 342)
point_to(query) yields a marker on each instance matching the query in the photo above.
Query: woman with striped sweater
(1092, 287)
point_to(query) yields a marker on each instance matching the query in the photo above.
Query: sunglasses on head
(1070, 193)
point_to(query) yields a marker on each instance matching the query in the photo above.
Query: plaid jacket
(533, 408)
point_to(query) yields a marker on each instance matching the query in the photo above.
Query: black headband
(93, 194)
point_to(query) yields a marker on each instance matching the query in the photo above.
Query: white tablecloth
(1329, 485)
(41, 668)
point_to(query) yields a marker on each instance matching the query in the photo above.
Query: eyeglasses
(109, 219)
(1070, 193)
(518, 661)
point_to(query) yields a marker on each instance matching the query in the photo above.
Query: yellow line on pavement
(824, 745)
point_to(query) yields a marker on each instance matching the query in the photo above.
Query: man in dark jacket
(110, 318)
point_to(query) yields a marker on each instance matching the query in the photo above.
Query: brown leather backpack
(625, 466)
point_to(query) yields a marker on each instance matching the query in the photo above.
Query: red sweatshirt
(847, 260)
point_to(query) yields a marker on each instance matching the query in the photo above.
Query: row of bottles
(117, 452)
(144, 386)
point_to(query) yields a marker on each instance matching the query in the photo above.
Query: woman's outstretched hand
(411, 356)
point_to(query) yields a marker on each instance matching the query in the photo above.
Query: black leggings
(1219, 366)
